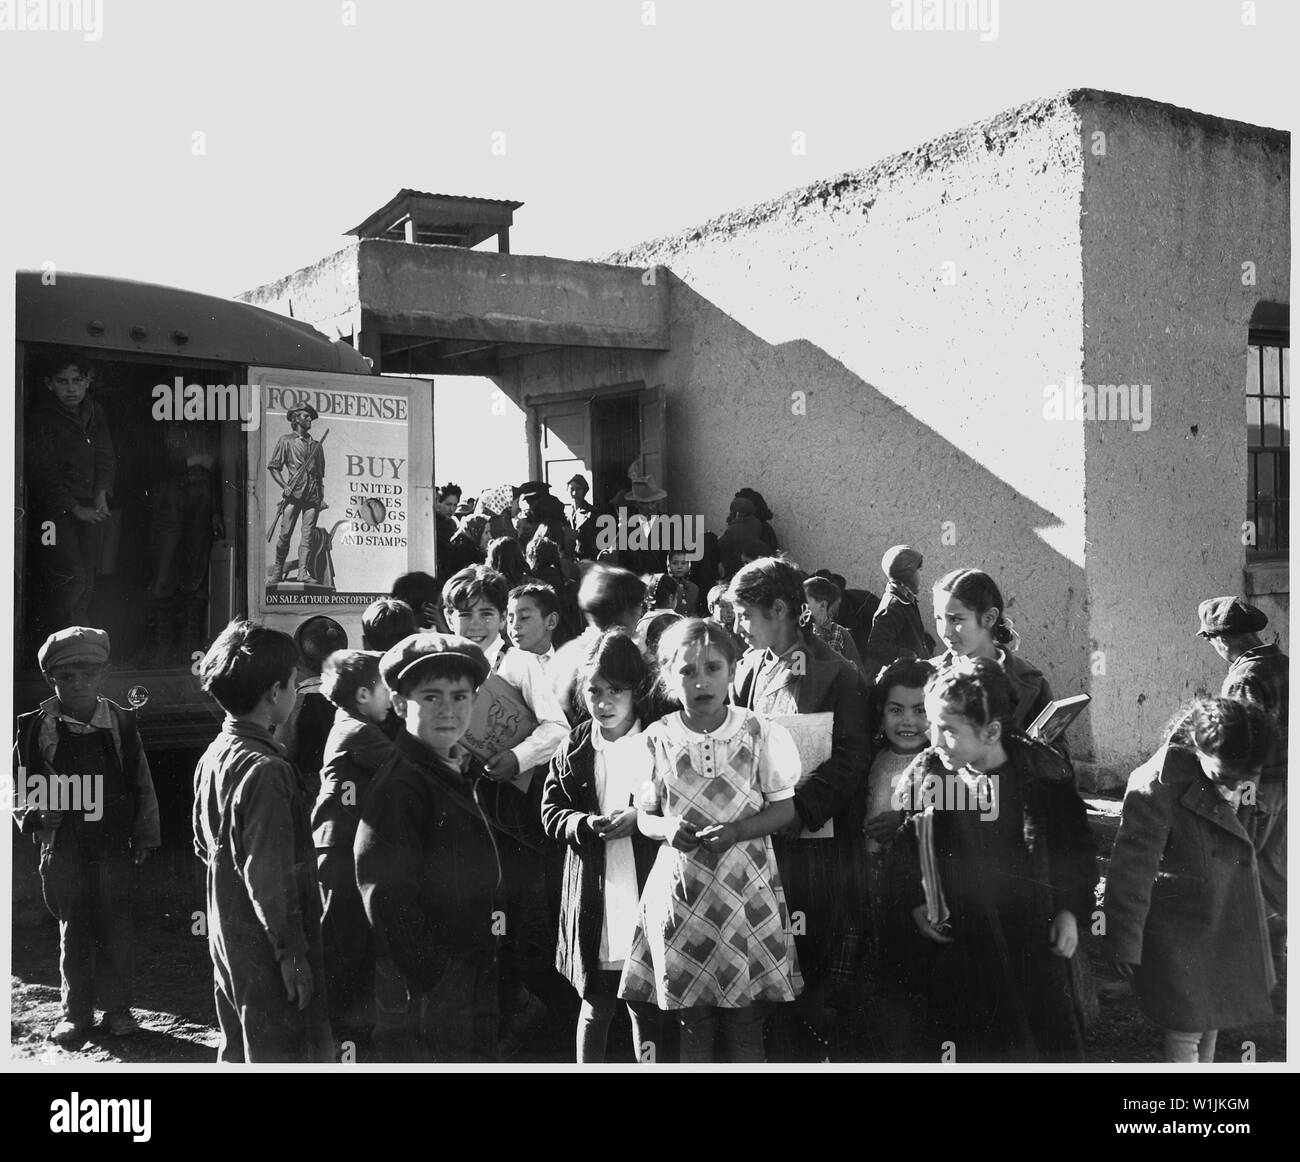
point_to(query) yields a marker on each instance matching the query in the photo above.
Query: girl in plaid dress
(712, 941)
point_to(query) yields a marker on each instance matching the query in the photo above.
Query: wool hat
(900, 559)
(411, 653)
(1230, 615)
(76, 645)
(317, 638)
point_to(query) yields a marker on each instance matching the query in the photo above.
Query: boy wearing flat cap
(86, 795)
(428, 863)
(1257, 672)
(297, 465)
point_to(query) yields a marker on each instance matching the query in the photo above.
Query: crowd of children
(557, 790)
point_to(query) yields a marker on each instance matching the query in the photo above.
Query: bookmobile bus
(196, 392)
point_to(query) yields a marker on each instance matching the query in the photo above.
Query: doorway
(615, 443)
(598, 434)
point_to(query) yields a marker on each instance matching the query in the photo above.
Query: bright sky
(616, 130)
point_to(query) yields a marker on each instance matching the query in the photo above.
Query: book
(500, 720)
(812, 738)
(1056, 716)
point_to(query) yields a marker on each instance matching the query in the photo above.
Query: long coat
(1183, 901)
(568, 800)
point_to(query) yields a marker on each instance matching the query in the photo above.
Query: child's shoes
(122, 1023)
(69, 1034)
(517, 1027)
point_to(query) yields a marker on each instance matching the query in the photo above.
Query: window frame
(1279, 455)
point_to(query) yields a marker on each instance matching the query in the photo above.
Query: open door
(654, 459)
(598, 435)
(562, 442)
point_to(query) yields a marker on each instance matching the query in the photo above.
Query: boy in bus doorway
(298, 468)
(71, 470)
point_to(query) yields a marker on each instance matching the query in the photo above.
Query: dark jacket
(36, 742)
(355, 749)
(736, 537)
(1053, 827)
(427, 861)
(1028, 686)
(252, 830)
(1260, 676)
(1183, 901)
(69, 458)
(896, 631)
(568, 801)
(1005, 876)
(829, 683)
(461, 552)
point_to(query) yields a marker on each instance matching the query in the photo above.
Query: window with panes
(1268, 441)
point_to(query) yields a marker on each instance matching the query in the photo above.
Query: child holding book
(788, 673)
(1006, 868)
(712, 943)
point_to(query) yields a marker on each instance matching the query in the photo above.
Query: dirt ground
(174, 983)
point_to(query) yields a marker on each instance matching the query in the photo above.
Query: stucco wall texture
(1172, 209)
(922, 306)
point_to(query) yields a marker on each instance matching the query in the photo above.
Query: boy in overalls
(84, 792)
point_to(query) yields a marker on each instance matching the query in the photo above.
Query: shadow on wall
(848, 473)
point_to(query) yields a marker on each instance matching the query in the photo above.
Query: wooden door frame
(534, 401)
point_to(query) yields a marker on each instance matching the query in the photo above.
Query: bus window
(123, 508)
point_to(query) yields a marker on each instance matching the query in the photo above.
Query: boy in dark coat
(81, 742)
(357, 746)
(428, 865)
(1258, 673)
(71, 465)
(897, 629)
(1185, 917)
(252, 830)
